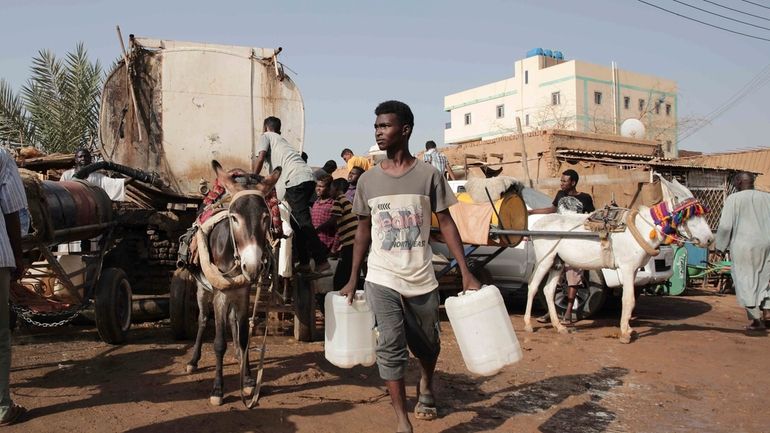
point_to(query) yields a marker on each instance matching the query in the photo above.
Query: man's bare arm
(454, 243)
(360, 248)
(259, 162)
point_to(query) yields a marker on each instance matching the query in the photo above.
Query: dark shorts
(403, 323)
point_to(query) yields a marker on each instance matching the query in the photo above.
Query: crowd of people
(376, 223)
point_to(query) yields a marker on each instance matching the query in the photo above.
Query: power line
(757, 4)
(705, 23)
(720, 15)
(736, 10)
(759, 80)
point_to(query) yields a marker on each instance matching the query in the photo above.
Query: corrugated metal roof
(564, 152)
(754, 160)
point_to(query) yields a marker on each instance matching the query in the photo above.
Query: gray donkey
(230, 251)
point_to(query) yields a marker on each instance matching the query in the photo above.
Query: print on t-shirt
(398, 228)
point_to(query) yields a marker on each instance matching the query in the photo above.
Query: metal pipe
(549, 234)
(82, 229)
(536, 233)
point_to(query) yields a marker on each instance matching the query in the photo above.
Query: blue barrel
(535, 52)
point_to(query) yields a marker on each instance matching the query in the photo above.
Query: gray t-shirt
(281, 154)
(400, 209)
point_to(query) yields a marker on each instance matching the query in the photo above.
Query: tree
(57, 110)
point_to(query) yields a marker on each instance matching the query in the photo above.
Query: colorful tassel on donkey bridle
(670, 221)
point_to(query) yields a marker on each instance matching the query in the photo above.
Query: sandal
(755, 325)
(14, 414)
(425, 409)
(545, 318)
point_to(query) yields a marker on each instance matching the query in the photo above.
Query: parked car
(512, 269)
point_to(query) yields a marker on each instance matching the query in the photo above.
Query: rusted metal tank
(66, 211)
(194, 102)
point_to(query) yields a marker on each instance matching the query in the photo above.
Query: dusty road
(692, 370)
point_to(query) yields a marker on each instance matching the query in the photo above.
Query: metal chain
(27, 315)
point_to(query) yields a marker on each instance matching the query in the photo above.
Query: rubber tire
(183, 305)
(590, 300)
(304, 310)
(112, 306)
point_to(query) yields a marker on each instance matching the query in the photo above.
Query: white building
(548, 92)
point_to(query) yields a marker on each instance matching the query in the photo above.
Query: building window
(448, 125)
(668, 146)
(526, 77)
(657, 107)
(556, 98)
(641, 105)
(467, 118)
(598, 98)
(668, 109)
(526, 120)
(500, 109)
(626, 102)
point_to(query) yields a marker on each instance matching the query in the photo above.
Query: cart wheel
(588, 301)
(304, 310)
(112, 305)
(183, 305)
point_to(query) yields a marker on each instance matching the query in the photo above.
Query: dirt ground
(692, 369)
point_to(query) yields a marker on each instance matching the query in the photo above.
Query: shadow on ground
(540, 396)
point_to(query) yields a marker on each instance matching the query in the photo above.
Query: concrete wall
(603, 181)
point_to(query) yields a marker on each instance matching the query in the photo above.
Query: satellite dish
(633, 128)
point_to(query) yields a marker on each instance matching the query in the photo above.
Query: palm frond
(15, 124)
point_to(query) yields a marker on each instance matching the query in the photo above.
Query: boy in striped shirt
(342, 210)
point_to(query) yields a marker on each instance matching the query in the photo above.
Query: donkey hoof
(563, 330)
(215, 401)
(627, 337)
(190, 368)
(528, 328)
(248, 390)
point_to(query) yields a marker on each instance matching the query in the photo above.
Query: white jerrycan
(483, 330)
(349, 331)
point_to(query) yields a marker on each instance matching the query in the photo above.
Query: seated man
(568, 199)
(115, 188)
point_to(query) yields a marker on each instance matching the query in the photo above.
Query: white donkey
(678, 217)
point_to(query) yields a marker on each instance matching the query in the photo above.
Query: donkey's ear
(225, 179)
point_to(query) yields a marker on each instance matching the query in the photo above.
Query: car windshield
(535, 199)
(532, 197)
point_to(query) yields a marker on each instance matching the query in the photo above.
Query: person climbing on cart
(568, 200)
(296, 187)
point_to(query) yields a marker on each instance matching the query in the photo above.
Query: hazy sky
(350, 55)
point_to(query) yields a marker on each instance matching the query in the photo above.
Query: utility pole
(524, 160)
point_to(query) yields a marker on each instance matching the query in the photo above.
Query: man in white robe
(744, 230)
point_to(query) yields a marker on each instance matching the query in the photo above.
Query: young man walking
(296, 186)
(394, 202)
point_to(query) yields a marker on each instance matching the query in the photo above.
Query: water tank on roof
(548, 53)
(558, 55)
(535, 52)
